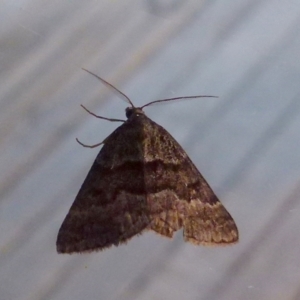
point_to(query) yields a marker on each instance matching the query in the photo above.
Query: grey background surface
(245, 143)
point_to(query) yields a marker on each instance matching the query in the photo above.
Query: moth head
(138, 111)
(130, 111)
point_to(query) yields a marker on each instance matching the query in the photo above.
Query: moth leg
(99, 117)
(92, 146)
(89, 146)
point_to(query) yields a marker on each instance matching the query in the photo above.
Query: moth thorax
(133, 111)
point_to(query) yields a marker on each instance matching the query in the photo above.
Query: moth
(141, 180)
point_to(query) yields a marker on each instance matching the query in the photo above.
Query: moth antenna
(110, 85)
(177, 98)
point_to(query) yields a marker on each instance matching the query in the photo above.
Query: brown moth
(142, 180)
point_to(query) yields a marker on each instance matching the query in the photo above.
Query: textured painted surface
(245, 143)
